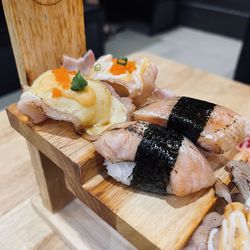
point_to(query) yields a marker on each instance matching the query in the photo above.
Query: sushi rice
(120, 171)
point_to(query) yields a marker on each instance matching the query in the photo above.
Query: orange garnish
(117, 69)
(62, 76)
(73, 72)
(56, 92)
(130, 66)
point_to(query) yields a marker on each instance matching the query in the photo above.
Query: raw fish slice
(223, 132)
(212, 127)
(38, 111)
(157, 112)
(165, 162)
(82, 64)
(33, 107)
(192, 172)
(158, 95)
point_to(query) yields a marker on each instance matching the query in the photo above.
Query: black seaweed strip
(155, 159)
(189, 117)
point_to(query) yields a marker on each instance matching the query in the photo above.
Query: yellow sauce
(85, 97)
(63, 77)
(94, 107)
(235, 234)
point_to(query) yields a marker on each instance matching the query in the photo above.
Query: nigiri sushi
(213, 127)
(82, 64)
(223, 232)
(91, 106)
(154, 159)
(129, 78)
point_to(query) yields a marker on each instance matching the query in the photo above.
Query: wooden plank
(50, 180)
(148, 221)
(59, 142)
(41, 31)
(81, 228)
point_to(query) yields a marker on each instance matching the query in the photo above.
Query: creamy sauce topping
(133, 80)
(94, 106)
(234, 233)
(85, 97)
(211, 238)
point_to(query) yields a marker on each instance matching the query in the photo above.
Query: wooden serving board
(148, 221)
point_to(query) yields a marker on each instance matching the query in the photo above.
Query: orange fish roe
(62, 76)
(72, 72)
(56, 92)
(130, 66)
(118, 69)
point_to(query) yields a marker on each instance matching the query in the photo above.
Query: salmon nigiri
(212, 127)
(129, 78)
(153, 159)
(91, 106)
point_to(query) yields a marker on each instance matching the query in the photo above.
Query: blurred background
(213, 35)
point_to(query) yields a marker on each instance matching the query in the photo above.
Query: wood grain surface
(148, 221)
(22, 227)
(41, 31)
(51, 181)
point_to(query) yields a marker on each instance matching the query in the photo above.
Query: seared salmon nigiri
(213, 127)
(129, 78)
(154, 159)
(91, 106)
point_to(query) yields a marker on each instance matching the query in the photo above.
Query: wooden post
(41, 32)
(51, 181)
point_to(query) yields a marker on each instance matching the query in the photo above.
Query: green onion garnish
(122, 61)
(97, 67)
(78, 82)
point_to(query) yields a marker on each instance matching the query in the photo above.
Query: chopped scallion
(122, 61)
(97, 67)
(78, 82)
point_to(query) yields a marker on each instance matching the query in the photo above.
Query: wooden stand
(80, 227)
(50, 180)
(132, 213)
(41, 32)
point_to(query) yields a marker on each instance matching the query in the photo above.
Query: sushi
(129, 78)
(135, 79)
(60, 94)
(223, 232)
(213, 127)
(82, 64)
(154, 159)
(227, 227)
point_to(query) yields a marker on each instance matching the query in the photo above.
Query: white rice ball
(120, 171)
